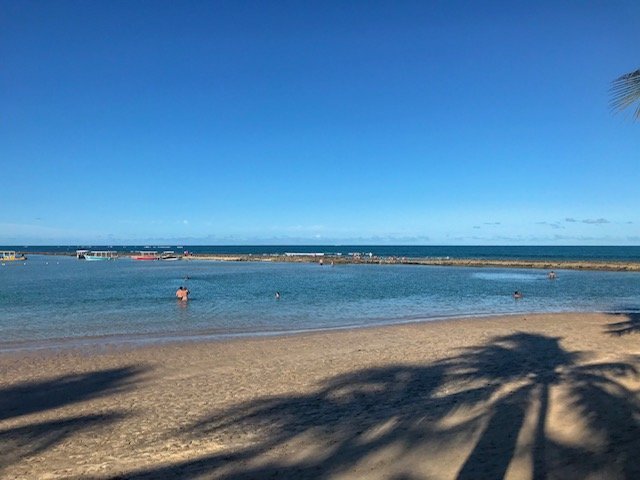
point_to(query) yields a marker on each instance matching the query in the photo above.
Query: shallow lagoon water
(55, 297)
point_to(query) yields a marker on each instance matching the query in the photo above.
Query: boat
(99, 255)
(169, 256)
(11, 256)
(80, 254)
(146, 255)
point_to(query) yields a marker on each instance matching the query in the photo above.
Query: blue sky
(317, 122)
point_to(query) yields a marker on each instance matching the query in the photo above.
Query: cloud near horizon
(595, 221)
(589, 221)
(554, 225)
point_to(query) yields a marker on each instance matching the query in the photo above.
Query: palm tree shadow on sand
(26, 398)
(487, 408)
(630, 323)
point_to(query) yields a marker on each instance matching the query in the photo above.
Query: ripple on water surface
(60, 297)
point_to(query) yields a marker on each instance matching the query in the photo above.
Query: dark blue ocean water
(58, 297)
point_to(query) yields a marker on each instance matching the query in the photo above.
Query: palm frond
(625, 91)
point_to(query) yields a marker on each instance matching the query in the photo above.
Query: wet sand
(328, 259)
(535, 396)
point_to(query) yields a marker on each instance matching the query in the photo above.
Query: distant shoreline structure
(369, 258)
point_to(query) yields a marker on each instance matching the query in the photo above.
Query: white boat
(169, 256)
(99, 255)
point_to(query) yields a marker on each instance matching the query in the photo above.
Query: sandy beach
(535, 396)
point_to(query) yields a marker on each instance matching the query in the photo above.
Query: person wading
(182, 294)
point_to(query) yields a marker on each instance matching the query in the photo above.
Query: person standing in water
(182, 294)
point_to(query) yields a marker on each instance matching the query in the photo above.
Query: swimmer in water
(182, 294)
(277, 295)
(517, 294)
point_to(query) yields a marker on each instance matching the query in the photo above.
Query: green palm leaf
(625, 91)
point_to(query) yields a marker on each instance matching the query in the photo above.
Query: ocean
(59, 300)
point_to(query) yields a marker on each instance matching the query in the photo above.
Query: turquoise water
(56, 297)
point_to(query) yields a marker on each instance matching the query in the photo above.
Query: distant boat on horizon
(146, 255)
(100, 255)
(11, 256)
(169, 256)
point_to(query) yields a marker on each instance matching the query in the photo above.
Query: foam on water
(510, 276)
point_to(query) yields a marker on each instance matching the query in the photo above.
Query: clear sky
(427, 122)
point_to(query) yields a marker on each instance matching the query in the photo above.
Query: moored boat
(146, 255)
(11, 256)
(98, 255)
(169, 255)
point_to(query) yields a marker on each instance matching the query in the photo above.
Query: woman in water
(182, 294)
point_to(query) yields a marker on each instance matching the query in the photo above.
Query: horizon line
(157, 244)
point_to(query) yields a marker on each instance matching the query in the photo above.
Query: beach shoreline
(426, 399)
(103, 343)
